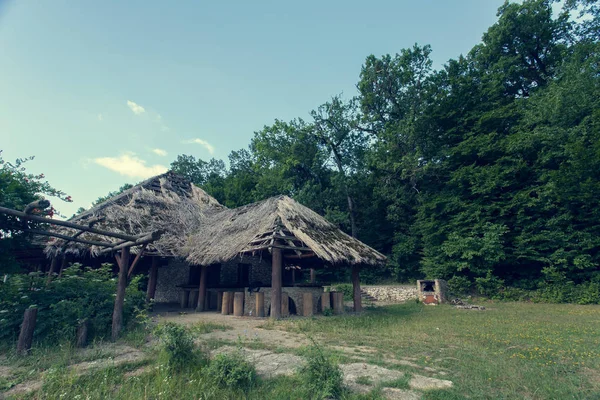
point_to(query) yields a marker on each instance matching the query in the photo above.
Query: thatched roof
(226, 234)
(169, 203)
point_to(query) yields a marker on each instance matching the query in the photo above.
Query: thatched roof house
(168, 203)
(280, 222)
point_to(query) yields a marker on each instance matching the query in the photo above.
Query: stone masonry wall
(391, 293)
(176, 272)
(260, 270)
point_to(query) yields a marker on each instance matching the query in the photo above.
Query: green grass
(200, 328)
(509, 351)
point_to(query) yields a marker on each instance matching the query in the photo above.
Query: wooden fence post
(27, 329)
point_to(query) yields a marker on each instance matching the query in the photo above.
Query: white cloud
(160, 152)
(100, 117)
(136, 108)
(130, 165)
(204, 143)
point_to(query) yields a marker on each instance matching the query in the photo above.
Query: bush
(321, 376)
(490, 286)
(459, 285)
(345, 288)
(177, 345)
(80, 294)
(233, 371)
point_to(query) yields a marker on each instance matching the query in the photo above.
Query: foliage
(176, 344)
(321, 375)
(232, 370)
(345, 288)
(79, 294)
(18, 188)
(459, 285)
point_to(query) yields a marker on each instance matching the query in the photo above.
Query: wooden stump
(27, 328)
(325, 301)
(238, 304)
(285, 305)
(230, 304)
(219, 300)
(193, 299)
(82, 334)
(185, 297)
(225, 303)
(338, 302)
(307, 307)
(260, 304)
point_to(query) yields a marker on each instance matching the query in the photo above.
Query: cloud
(100, 117)
(136, 108)
(204, 143)
(130, 165)
(160, 152)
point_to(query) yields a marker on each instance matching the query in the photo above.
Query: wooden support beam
(325, 301)
(151, 237)
(356, 294)
(276, 272)
(238, 304)
(152, 279)
(136, 260)
(91, 222)
(225, 304)
(313, 275)
(273, 246)
(307, 304)
(63, 264)
(285, 305)
(202, 288)
(65, 237)
(67, 224)
(117, 320)
(338, 302)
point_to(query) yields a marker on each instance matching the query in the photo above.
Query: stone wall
(391, 293)
(260, 270)
(176, 272)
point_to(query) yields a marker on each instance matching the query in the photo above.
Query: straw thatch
(226, 234)
(169, 203)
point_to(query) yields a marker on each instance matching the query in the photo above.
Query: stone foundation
(395, 294)
(176, 272)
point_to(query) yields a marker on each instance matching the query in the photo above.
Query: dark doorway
(243, 275)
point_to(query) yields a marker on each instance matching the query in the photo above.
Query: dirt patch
(127, 355)
(374, 373)
(244, 329)
(5, 372)
(399, 394)
(136, 372)
(593, 376)
(22, 389)
(425, 383)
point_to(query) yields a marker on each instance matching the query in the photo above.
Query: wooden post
(230, 303)
(63, 265)
(152, 279)
(325, 301)
(202, 289)
(356, 294)
(307, 304)
(260, 304)
(219, 300)
(52, 269)
(184, 298)
(82, 333)
(338, 302)
(277, 265)
(27, 328)
(193, 299)
(285, 305)
(225, 304)
(238, 304)
(117, 320)
(313, 275)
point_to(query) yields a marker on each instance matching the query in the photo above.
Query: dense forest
(488, 168)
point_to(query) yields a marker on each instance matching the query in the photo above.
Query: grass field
(508, 351)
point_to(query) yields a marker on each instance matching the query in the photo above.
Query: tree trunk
(52, 269)
(356, 288)
(82, 334)
(117, 320)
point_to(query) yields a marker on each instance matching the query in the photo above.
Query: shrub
(321, 375)
(345, 288)
(489, 285)
(232, 370)
(177, 345)
(79, 294)
(459, 285)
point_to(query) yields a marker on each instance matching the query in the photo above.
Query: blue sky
(108, 92)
